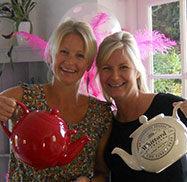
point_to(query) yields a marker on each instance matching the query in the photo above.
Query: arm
(8, 100)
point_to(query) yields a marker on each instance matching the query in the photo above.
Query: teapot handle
(25, 111)
(175, 114)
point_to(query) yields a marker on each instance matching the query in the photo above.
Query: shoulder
(167, 96)
(33, 90)
(32, 87)
(18, 92)
(34, 96)
(100, 105)
(167, 99)
(14, 92)
(163, 103)
(100, 102)
(101, 110)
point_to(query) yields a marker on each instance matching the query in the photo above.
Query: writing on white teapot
(157, 143)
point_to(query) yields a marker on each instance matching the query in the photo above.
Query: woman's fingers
(7, 108)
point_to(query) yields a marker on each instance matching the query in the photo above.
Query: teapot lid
(50, 117)
(145, 122)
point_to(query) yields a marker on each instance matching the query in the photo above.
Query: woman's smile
(116, 85)
(68, 70)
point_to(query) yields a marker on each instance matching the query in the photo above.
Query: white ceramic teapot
(157, 143)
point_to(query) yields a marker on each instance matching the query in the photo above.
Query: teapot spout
(127, 158)
(73, 150)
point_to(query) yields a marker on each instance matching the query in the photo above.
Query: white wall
(45, 17)
(125, 11)
(48, 13)
(117, 7)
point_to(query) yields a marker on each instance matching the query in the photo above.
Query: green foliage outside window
(166, 20)
(167, 64)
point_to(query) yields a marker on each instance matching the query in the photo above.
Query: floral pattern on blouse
(94, 125)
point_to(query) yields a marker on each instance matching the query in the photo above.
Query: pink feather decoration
(152, 42)
(95, 23)
(33, 41)
(6, 176)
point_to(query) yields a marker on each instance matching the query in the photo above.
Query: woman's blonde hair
(123, 40)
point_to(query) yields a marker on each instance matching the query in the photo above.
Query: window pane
(167, 63)
(173, 86)
(166, 20)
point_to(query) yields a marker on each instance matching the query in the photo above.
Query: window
(167, 72)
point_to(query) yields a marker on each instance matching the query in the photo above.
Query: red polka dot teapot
(156, 144)
(41, 139)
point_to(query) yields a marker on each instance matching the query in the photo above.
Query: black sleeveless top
(119, 137)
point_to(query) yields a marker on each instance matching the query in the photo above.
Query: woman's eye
(123, 67)
(64, 52)
(81, 56)
(106, 68)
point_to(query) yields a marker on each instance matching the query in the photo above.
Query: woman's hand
(82, 179)
(183, 107)
(7, 107)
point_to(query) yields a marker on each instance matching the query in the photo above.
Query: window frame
(144, 15)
